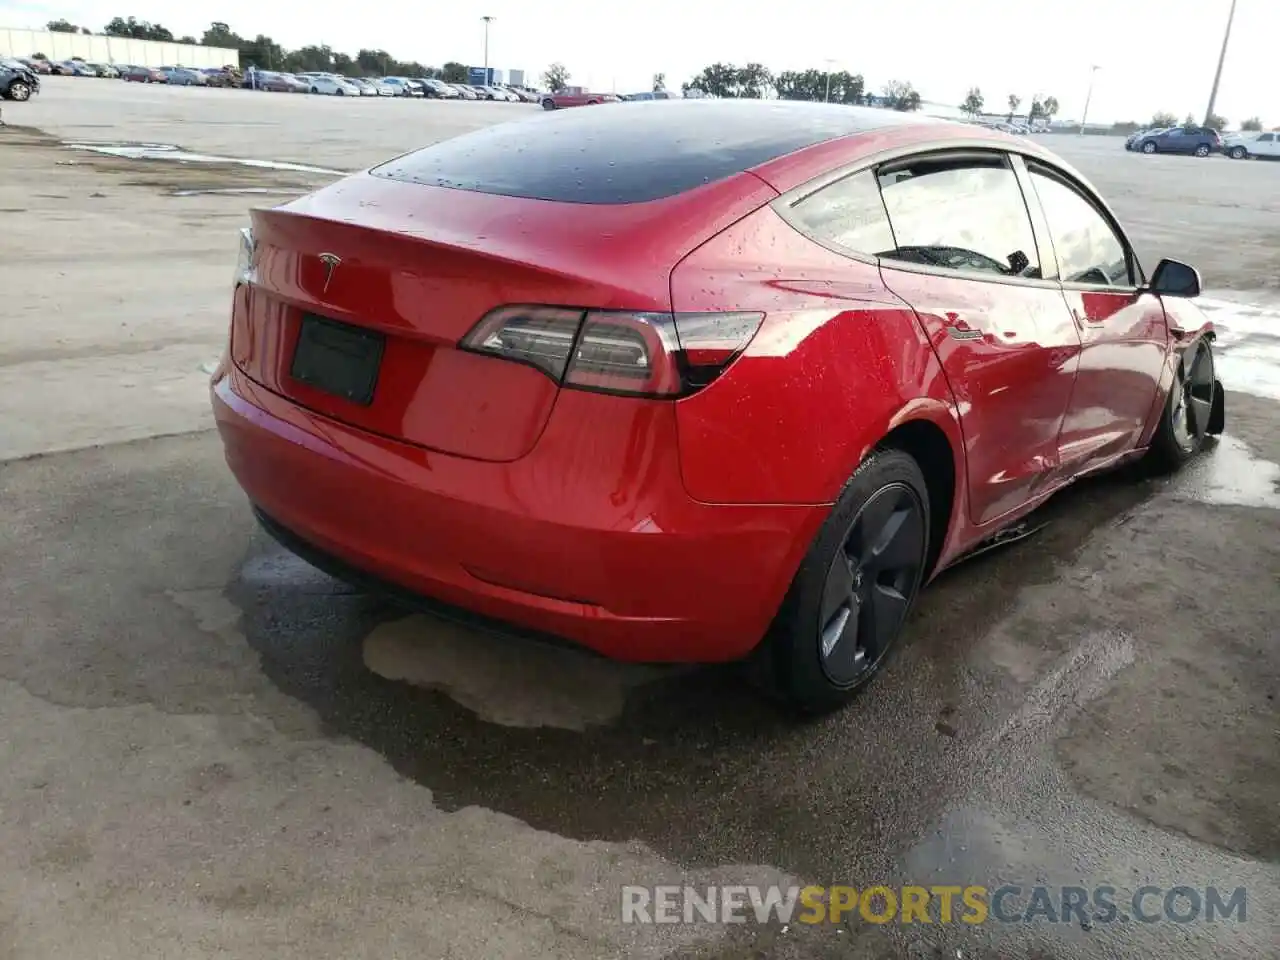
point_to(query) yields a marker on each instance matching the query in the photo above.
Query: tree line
(263, 52)
(756, 81)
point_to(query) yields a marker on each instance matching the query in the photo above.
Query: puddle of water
(232, 191)
(1230, 475)
(167, 151)
(503, 680)
(1248, 348)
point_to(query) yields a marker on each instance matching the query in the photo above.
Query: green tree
(811, 84)
(310, 59)
(454, 72)
(973, 102)
(188, 39)
(1215, 122)
(221, 35)
(659, 82)
(262, 52)
(727, 80)
(1162, 118)
(556, 77)
(1190, 120)
(1015, 101)
(754, 81)
(137, 29)
(1050, 107)
(1253, 124)
(63, 26)
(899, 95)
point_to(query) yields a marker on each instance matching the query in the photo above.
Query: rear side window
(1088, 249)
(962, 212)
(848, 213)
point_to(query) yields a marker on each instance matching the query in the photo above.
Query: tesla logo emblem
(330, 261)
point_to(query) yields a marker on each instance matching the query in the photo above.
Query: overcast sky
(1154, 54)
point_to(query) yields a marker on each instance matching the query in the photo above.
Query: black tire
(19, 90)
(548, 104)
(341, 92)
(1149, 147)
(1186, 418)
(1202, 150)
(315, 90)
(844, 584)
(1239, 153)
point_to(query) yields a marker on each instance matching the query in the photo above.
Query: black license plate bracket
(338, 358)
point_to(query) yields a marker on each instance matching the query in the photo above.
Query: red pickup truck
(575, 97)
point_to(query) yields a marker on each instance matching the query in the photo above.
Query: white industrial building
(98, 48)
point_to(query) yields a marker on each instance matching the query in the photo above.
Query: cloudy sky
(1154, 54)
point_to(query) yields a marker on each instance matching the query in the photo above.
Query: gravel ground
(211, 749)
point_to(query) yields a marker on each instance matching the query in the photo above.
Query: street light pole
(1087, 97)
(1222, 58)
(827, 97)
(487, 21)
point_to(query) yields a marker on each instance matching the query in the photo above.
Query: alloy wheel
(870, 584)
(20, 91)
(1193, 402)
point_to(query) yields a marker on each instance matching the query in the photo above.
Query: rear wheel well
(931, 450)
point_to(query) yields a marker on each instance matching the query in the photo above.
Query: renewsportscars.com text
(1009, 903)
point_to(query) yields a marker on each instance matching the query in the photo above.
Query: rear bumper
(591, 537)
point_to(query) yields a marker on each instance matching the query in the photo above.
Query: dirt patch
(176, 177)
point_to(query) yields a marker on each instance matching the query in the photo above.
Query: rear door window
(848, 214)
(960, 212)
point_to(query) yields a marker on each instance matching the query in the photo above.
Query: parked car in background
(1188, 141)
(650, 95)
(365, 86)
(329, 85)
(526, 95)
(36, 64)
(465, 92)
(76, 68)
(271, 81)
(1243, 146)
(438, 89)
(186, 77)
(105, 70)
(606, 392)
(1134, 139)
(403, 86)
(136, 74)
(221, 76)
(558, 101)
(17, 80)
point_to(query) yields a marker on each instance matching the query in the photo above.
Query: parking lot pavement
(212, 749)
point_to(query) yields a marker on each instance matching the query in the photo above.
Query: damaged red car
(698, 380)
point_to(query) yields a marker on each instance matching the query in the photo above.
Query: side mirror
(1172, 278)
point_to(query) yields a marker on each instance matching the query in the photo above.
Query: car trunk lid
(363, 290)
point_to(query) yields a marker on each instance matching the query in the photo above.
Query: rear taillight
(612, 351)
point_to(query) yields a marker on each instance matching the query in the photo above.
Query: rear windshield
(629, 152)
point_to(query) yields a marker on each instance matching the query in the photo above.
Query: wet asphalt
(205, 754)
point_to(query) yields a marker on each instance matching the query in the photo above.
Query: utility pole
(1222, 58)
(827, 97)
(1087, 97)
(487, 21)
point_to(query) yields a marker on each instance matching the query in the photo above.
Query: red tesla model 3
(698, 380)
